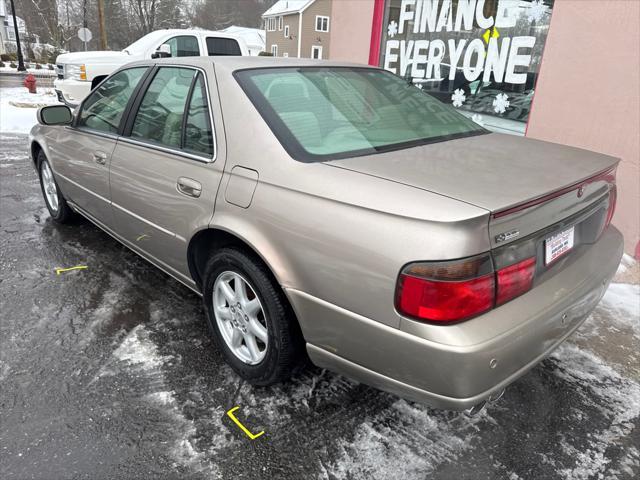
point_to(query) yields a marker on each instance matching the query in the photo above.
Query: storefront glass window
(481, 56)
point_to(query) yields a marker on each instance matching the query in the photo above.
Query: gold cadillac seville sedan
(331, 211)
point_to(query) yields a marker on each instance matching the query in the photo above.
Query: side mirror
(54, 115)
(163, 51)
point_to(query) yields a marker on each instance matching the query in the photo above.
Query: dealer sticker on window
(557, 245)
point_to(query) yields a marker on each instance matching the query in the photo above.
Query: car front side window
(103, 108)
(160, 116)
(183, 46)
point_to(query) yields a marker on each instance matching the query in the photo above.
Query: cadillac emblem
(503, 237)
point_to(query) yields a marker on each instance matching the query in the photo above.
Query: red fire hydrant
(30, 83)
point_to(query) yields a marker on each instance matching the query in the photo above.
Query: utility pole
(103, 30)
(21, 67)
(84, 20)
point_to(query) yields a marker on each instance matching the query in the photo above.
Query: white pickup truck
(79, 72)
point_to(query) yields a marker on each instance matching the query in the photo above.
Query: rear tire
(234, 317)
(54, 200)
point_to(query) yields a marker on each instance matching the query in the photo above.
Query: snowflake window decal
(458, 97)
(392, 29)
(501, 103)
(536, 10)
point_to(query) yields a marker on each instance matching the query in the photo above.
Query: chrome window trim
(178, 151)
(162, 148)
(151, 145)
(91, 131)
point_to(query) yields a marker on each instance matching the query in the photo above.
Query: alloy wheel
(240, 317)
(49, 187)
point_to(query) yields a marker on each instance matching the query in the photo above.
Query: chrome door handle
(189, 187)
(100, 157)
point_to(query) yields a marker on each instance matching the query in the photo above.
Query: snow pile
(618, 399)
(622, 301)
(20, 119)
(406, 441)
(137, 350)
(44, 71)
(626, 263)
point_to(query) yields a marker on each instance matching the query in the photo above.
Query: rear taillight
(447, 292)
(515, 280)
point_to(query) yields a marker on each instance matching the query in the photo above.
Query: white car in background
(79, 72)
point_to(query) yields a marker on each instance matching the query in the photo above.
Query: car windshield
(325, 113)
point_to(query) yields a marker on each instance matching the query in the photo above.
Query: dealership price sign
(481, 56)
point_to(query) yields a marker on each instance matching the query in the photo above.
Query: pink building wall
(351, 30)
(588, 93)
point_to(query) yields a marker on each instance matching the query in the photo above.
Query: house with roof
(3, 27)
(298, 28)
(7, 30)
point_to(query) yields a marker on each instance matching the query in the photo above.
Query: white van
(79, 72)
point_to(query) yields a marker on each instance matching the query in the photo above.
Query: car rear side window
(198, 135)
(326, 113)
(222, 46)
(174, 112)
(183, 46)
(103, 108)
(160, 115)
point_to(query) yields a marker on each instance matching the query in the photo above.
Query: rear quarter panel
(337, 235)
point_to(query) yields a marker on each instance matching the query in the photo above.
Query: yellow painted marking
(490, 34)
(242, 427)
(141, 237)
(62, 270)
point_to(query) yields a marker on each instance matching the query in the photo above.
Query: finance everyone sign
(492, 55)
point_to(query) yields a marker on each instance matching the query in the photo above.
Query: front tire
(56, 204)
(250, 318)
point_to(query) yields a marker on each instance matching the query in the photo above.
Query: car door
(83, 151)
(164, 172)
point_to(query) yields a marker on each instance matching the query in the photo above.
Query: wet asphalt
(109, 372)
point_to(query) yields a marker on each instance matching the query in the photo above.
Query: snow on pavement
(20, 119)
(399, 439)
(138, 355)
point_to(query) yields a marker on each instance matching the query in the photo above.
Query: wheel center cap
(238, 318)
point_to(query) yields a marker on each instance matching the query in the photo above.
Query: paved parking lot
(109, 372)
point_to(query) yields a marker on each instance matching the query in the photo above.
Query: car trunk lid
(526, 184)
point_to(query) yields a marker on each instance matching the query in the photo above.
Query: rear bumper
(464, 364)
(71, 92)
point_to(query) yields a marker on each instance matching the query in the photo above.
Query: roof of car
(232, 63)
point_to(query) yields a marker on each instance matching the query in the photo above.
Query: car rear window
(326, 113)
